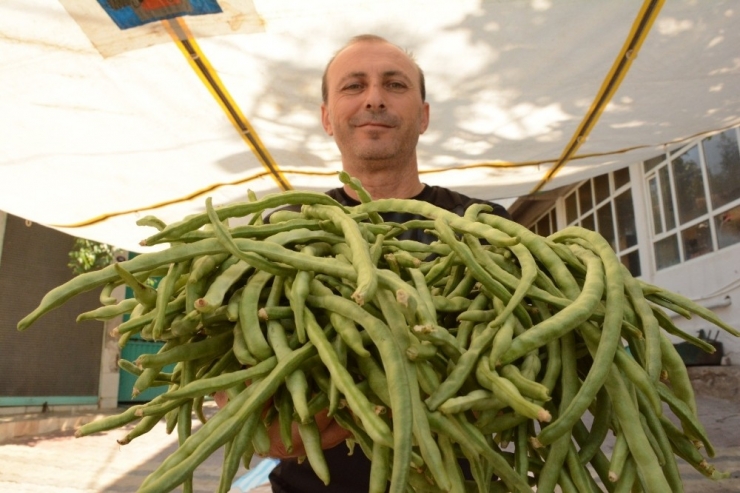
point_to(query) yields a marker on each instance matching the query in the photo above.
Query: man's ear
(325, 121)
(424, 118)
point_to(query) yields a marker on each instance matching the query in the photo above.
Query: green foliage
(88, 256)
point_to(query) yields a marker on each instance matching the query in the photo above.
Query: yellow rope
(640, 29)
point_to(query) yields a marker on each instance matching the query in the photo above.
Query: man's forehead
(362, 56)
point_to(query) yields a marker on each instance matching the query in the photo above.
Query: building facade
(673, 220)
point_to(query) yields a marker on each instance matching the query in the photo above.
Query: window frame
(709, 216)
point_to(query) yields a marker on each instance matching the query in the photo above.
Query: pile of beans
(515, 352)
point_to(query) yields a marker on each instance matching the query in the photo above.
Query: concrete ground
(59, 463)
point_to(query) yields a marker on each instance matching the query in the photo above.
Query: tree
(89, 255)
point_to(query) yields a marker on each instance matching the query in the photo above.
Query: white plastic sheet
(100, 131)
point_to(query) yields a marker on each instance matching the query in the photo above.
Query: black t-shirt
(351, 473)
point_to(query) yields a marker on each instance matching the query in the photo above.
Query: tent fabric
(102, 126)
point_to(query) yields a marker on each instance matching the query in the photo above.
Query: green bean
(284, 405)
(232, 306)
(685, 449)
(249, 318)
(105, 296)
(526, 280)
(599, 461)
(141, 428)
(366, 277)
(216, 292)
(148, 375)
(667, 324)
(558, 451)
(457, 481)
(521, 459)
(174, 230)
(658, 300)
(297, 293)
(422, 288)
(429, 450)
(689, 421)
(599, 428)
(312, 443)
(463, 368)
(648, 322)
(450, 305)
(379, 468)
(508, 393)
(631, 369)
(375, 427)
(376, 250)
(275, 312)
(619, 455)
(225, 238)
(417, 247)
(526, 387)
(578, 473)
(469, 437)
(441, 337)
(610, 332)
(146, 295)
(420, 350)
(344, 326)
(627, 478)
(223, 425)
(362, 194)
(109, 311)
(566, 319)
(428, 378)
(165, 290)
(210, 346)
(162, 378)
(296, 382)
(184, 417)
(463, 251)
(394, 360)
(693, 307)
(625, 411)
(464, 286)
(465, 328)
(678, 374)
(502, 341)
(239, 445)
(109, 422)
(494, 237)
(334, 395)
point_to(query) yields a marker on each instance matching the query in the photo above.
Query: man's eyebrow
(352, 75)
(386, 74)
(396, 73)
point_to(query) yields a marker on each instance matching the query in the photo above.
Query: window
(604, 204)
(545, 225)
(694, 196)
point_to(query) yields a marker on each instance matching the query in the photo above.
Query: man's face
(374, 108)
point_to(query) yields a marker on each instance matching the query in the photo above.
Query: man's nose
(374, 99)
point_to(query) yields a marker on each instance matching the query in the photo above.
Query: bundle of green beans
(516, 352)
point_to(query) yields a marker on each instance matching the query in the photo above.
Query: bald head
(369, 38)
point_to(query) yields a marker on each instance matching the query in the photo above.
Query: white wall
(3, 220)
(712, 280)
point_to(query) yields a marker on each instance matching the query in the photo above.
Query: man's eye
(397, 85)
(353, 87)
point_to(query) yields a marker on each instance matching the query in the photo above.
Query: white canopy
(100, 126)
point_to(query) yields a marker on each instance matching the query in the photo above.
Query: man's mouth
(382, 122)
(375, 125)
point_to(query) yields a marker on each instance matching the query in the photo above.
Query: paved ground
(60, 463)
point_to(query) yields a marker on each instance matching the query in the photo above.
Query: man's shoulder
(458, 202)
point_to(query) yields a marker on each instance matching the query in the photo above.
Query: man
(374, 106)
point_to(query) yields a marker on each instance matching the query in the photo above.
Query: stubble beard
(377, 155)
